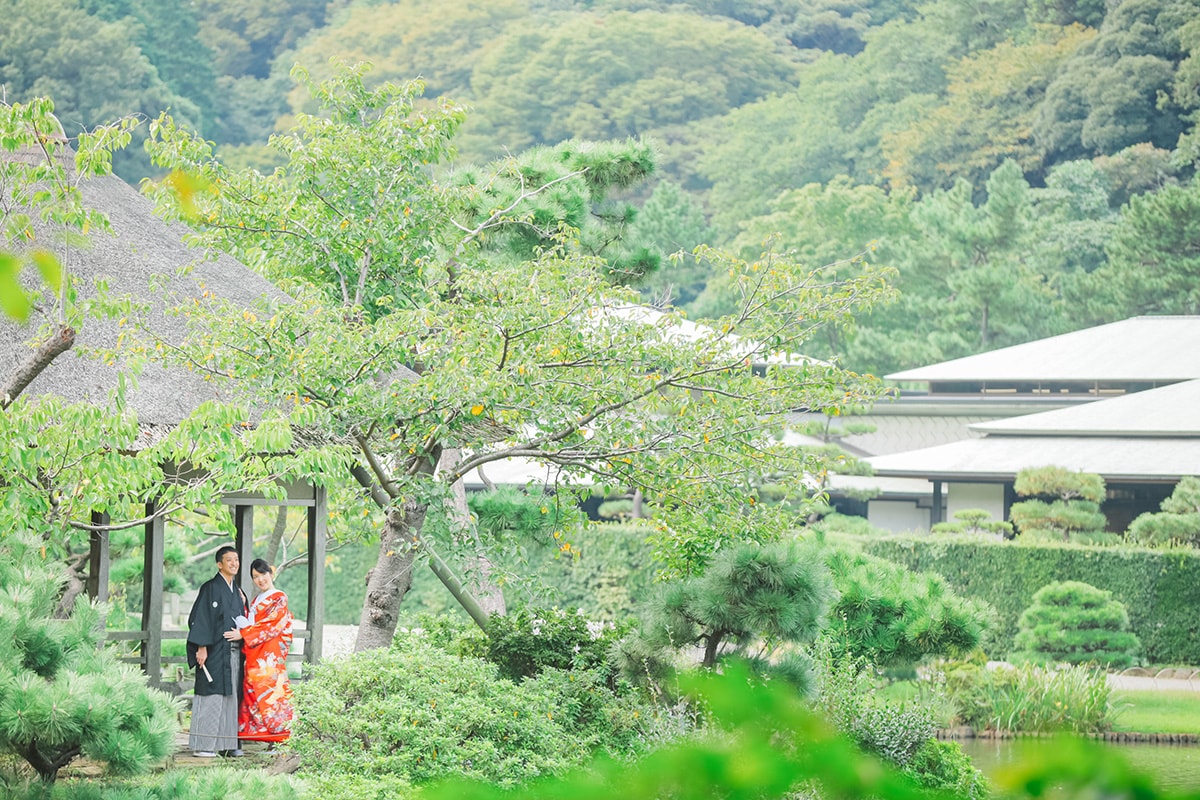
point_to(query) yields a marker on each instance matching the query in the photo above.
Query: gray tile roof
(1167, 411)
(1002, 457)
(1162, 349)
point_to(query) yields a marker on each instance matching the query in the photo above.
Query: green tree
(246, 35)
(1115, 91)
(61, 694)
(890, 616)
(621, 74)
(1077, 623)
(1067, 12)
(93, 69)
(1154, 261)
(166, 33)
(1062, 502)
(439, 41)
(672, 222)
(985, 116)
(413, 335)
(1178, 521)
(765, 597)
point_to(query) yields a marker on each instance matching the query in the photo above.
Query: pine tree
(61, 694)
(1064, 503)
(1077, 623)
(773, 595)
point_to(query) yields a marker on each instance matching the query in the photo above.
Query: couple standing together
(224, 630)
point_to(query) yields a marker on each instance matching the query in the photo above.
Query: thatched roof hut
(139, 247)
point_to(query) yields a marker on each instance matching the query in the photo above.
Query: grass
(1157, 712)
(1137, 711)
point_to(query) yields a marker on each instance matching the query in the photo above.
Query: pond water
(1173, 767)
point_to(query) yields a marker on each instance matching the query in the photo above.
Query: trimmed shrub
(1159, 587)
(1075, 623)
(974, 520)
(524, 643)
(1061, 503)
(1179, 520)
(417, 713)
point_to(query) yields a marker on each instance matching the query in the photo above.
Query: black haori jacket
(213, 613)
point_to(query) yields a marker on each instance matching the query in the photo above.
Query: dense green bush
(527, 641)
(417, 712)
(1160, 588)
(1075, 623)
(218, 783)
(944, 767)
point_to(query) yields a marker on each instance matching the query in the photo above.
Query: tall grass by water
(1032, 699)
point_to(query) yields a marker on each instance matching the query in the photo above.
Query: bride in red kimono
(265, 714)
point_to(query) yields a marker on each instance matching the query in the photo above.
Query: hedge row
(1160, 588)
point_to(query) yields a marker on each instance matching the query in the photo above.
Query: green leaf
(13, 300)
(49, 266)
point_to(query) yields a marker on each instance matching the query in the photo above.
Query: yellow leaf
(476, 410)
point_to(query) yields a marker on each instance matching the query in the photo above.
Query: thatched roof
(140, 246)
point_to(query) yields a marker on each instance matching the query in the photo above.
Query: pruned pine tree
(754, 600)
(62, 695)
(1059, 502)
(1076, 623)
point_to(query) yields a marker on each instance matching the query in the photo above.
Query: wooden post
(317, 517)
(935, 511)
(243, 524)
(152, 597)
(98, 559)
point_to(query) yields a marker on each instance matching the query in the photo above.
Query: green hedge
(1160, 588)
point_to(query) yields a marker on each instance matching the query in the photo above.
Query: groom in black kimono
(218, 663)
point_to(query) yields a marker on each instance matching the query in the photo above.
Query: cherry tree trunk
(391, 577)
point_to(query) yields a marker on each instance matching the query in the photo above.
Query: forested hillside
(1025, 165)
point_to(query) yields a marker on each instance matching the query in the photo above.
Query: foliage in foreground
(1076, 623)
(416, 713)
(217, 783)
(773, 743)
(61, 694)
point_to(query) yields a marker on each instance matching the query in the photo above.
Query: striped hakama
(214, 725)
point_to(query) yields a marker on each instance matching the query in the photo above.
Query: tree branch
(25, 373)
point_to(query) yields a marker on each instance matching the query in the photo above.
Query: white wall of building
(987, 496)
(898, 515)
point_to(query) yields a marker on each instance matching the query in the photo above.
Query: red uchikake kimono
(266, 710)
